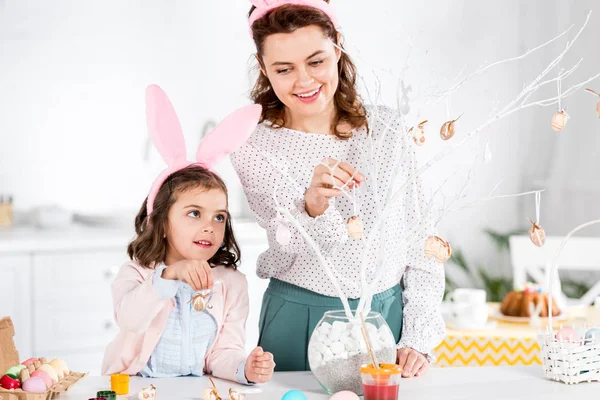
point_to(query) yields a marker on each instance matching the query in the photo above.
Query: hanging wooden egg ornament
(147, 393)
(448, 130)
(559, 120)
(597, 105)
(211, 393)
(283, 235)
(235, 395)
(355, 227)
(437, 248)
(419, 133)
(200, 302)
(537, 234)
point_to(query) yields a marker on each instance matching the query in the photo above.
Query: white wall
(72, 75)
(72, 79)
(566, 163)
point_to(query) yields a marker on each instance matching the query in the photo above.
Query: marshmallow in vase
(341, 340)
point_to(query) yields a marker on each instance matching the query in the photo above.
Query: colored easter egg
(34, 385)
(294, 395)
(344, 395)
(9, 383)
(14, 372)
(580, 332)
(592, 334)
(567, 334)
(44, 376)
(29, 361)
(47, 368)
(60, 367)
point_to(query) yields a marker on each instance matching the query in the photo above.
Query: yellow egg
(61, 367)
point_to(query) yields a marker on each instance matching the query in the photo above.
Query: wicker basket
(568, 361)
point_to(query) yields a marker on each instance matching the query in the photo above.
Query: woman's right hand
(195, 273)
(322, 185)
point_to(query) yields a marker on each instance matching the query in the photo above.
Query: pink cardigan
(141, 314)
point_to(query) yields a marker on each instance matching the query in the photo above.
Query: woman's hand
(412, 362)
(323, 181)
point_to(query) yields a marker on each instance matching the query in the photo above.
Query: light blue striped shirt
(188, 334)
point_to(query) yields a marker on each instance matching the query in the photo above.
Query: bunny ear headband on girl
(264, 6)
(167, 136)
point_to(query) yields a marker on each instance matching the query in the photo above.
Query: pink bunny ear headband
(167, 136)
(264, 6)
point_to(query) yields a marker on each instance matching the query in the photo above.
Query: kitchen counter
(25, 239)
(490, 383)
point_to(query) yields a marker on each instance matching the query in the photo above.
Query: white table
(489, 383)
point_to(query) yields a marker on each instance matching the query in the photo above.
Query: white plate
(524, 320)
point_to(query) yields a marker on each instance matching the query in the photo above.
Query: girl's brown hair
(150, 245)
(286, 19)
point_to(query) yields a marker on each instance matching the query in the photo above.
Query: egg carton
(9, 356)
(60, 387)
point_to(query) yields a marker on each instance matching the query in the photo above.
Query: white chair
(579, 253)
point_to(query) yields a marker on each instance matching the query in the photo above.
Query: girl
(313, 114)
(180, 303)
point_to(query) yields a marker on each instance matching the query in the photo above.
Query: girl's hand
(195, 273)
(259, 366)
(412, 362)
(321, 189)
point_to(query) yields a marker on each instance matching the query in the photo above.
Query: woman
(312, 113)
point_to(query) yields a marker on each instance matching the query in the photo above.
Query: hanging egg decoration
(436, 247)
(598, 104)
(559, 120)
(355, 227)
(200, 302)
(419, 133)
(537, 234)
(448, 129)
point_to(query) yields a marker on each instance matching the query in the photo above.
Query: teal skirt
(290, 313)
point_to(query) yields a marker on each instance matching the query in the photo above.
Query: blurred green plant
(495, 286)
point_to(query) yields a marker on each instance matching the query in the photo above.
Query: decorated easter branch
(447, 131)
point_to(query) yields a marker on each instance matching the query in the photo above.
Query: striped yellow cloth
(508, 343)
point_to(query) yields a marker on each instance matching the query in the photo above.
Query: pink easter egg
(34, 385)
(45, 377)
(29, 361)
(344, 395)
(567, 335)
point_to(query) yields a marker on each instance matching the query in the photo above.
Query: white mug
(466, 295)
(469, 315)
